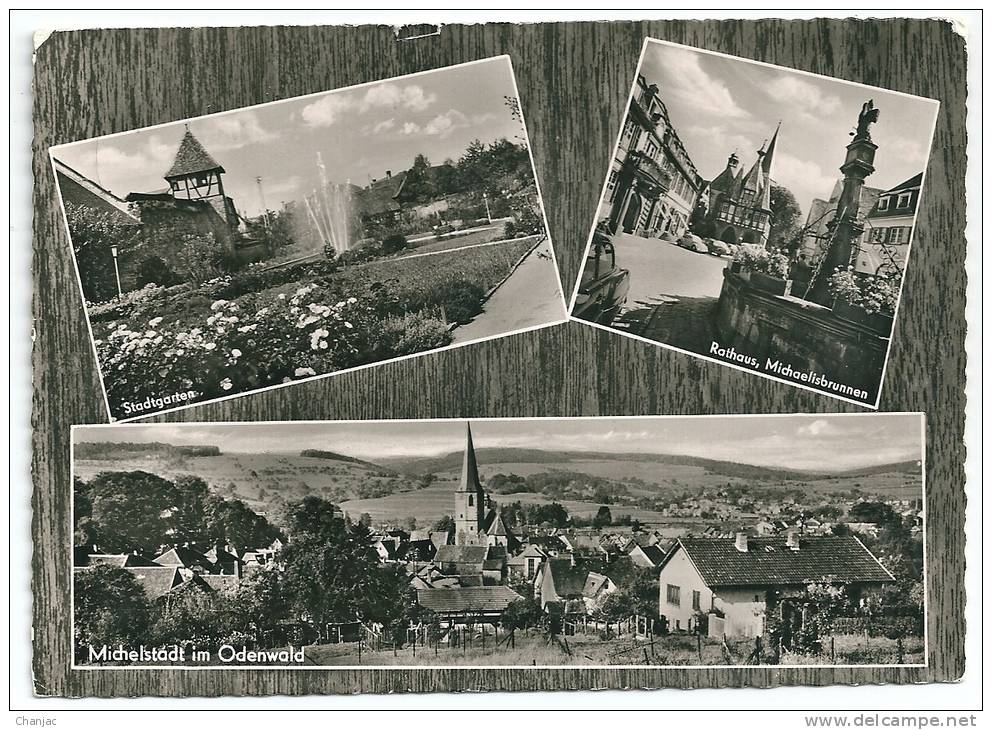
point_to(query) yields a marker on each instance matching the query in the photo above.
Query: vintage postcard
(668, 541)
(246, 250)
(759, 217)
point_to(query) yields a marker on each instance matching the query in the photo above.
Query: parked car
(604, 286)
(694, 243)
(717, 247)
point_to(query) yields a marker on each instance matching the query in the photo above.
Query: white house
(733, 581)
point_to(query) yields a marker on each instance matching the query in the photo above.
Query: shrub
(459, 298)
(393, 243)
(154, 270)
(880, 295)
(843, 285)
(760, 260)
(414, 333)
(93, 233)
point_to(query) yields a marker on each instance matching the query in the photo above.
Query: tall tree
(109, 607)
(132, 510)
(330, 570)
(784, 219)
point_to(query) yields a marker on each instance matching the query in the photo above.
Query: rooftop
(768, 561)
(474, 599)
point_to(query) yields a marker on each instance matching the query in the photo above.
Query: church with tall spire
(476, 521)
(739, 206)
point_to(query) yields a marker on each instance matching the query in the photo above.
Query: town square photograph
(255, 248)
(759, 217)
(685, 541)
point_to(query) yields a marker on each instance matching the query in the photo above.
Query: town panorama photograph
(677, 541)
(252, 249)
(759, 217)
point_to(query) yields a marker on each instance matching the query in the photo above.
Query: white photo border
(544, 217)
(909, 248)
(404, 667)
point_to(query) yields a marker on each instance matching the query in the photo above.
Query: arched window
(471, 500)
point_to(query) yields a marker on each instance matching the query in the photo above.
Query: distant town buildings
(653, 185)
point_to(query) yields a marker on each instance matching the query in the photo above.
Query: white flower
(226, 384)
(281, 296)
(218, 304)
(300, 372)
(154, 322)
(210, 346)
(236, 352)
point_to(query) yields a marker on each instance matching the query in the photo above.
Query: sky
(360, 132)
(719, 104)
(804, 442)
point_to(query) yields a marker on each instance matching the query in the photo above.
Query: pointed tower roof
(192, 158)
(470, 469)
(766, 162)
(725, 179)
(754, 180)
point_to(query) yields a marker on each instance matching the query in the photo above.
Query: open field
(388, 496)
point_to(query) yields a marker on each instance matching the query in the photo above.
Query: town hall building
(739, 203)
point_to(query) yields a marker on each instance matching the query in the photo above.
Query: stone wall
(806, 336)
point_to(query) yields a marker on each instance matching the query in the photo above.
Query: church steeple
(766, 161)
(470, 499)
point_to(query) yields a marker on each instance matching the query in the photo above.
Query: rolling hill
(394, 490)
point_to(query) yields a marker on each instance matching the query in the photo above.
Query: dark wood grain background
(574, 79)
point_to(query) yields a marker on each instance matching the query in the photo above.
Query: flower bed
(330, 322)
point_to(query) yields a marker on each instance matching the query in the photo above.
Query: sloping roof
(380, 196)
(184, 557)
(594, 583)
(474, 599)
(913, 182)
(439, 538)
(570, 580)
(192, 158)
(123, 560)
(768, 561)
(156, 581)
(461, 554)
(653, 553)
(77, 189)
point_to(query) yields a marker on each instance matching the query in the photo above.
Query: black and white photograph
(676, 541)
(250, 249)
(759, 217)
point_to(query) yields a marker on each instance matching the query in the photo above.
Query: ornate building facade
(739, 205)
(653, 184)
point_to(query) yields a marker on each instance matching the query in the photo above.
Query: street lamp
(489, 216)
(117, 272)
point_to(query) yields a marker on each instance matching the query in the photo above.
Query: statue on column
(868, 115)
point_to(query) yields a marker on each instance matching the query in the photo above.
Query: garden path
(530, 297)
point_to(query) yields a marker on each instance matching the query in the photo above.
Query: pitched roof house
(467, 605)
(735, 580)
(77, 189)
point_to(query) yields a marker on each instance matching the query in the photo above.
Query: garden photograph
(255, 248)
